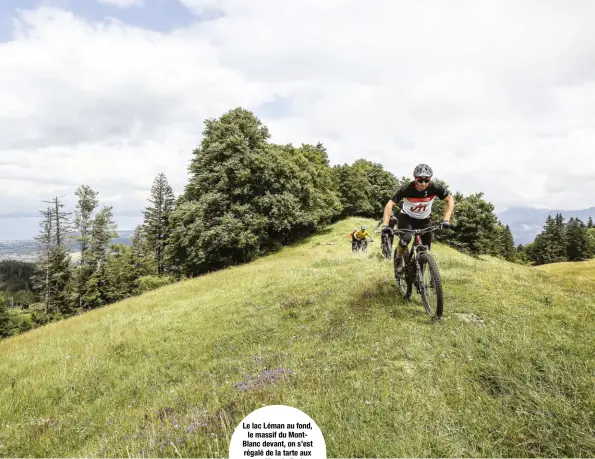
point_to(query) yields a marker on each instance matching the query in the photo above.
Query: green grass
(582, 272)
(162, 374)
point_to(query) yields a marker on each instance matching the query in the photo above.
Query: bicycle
(415, 261)
(385, 244)
(360, 245)
(386, 241)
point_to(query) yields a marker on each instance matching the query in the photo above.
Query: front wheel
(403, 281)
(430, 286)
(386, 246)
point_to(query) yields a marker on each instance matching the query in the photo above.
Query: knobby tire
(386, 246)
(426, 259)
(405, 283)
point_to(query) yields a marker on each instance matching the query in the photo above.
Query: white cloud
(111, 199)
(498, 97)
(122, 3)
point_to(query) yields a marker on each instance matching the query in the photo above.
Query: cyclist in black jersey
(417, 198)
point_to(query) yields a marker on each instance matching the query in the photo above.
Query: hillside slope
(582, 272)
(321, 329)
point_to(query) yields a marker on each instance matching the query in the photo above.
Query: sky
(497, 96)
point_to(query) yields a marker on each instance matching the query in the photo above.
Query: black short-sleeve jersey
(418, 204)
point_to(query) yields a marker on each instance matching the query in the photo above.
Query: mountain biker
(417, 197)
(392, 224)
(360, 235)
(352, 238)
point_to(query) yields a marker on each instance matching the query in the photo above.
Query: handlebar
(418, 231)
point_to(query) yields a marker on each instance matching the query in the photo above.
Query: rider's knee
(405, 239)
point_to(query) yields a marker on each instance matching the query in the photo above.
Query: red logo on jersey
(427, 199)
(419, 208)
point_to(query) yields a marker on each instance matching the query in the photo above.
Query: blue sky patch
(279, 107)
(158, 15)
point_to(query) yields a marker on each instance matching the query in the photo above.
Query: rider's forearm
(388, 210)
(450, 205)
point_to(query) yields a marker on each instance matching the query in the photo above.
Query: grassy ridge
(509, 371)
(579, 272)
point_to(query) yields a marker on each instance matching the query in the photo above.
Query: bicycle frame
(417, 244)
(412, 274)
(359, 244)
(384, 239)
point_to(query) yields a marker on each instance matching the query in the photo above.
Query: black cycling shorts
(406, 222)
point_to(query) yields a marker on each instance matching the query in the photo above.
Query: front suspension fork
(418, 276)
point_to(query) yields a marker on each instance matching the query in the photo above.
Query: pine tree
(582, 241)
(496, 245)
(60, 260)
(157, 225)
(5, 322)
(577, 242)
(62, 223)
(532, 252)
(508, 250)
(522, 254)
(53, 268)
(569, 240)
(41, 278)
(557, 240)
(535, 250)
(102, 231)
(550, 244)
(59, 276)
(591, 241)
(590, 223)
(119, 276)
(86, 205)
(142, 261)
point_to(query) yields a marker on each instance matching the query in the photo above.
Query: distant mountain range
(525, 222)
(28, 250)
(30, 214)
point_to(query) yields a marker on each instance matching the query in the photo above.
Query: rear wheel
(430, 286)
(403, 281)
